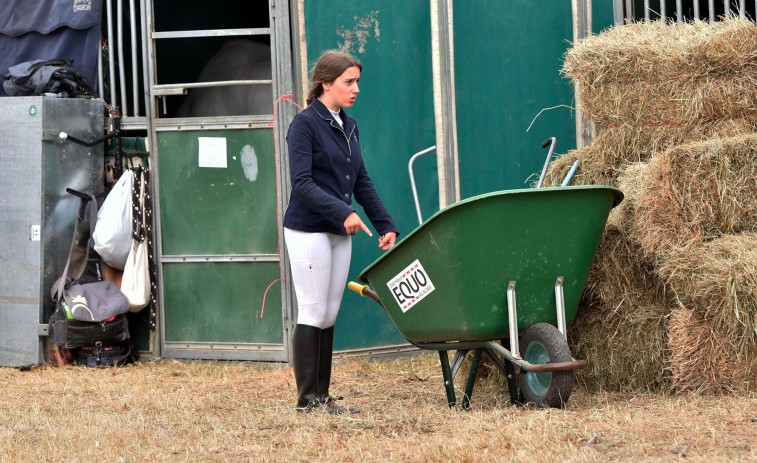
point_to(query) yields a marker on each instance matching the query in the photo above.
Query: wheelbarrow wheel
(543, 343)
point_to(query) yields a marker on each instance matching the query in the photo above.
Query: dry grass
(171, 411)
(657, 73)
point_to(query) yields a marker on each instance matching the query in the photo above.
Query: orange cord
(278, 192)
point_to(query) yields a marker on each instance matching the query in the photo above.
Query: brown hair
(330, 65)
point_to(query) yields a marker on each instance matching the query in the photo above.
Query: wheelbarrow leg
(516, 395)
(471, 378)
(447, 374)
(506, 368)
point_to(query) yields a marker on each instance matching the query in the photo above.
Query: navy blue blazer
(327, 170)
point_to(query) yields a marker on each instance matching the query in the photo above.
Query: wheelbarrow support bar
(527, 366)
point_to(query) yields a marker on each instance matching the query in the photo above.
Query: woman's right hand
(353, 224)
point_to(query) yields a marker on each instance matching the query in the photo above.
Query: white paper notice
(212, 152)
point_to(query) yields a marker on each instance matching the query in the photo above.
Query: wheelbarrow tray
(448, 279)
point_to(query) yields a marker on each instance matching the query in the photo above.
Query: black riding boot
(324, 373)
(305, 362)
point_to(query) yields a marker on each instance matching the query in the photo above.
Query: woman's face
(341, 93)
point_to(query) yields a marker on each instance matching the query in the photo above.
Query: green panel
(464, 257)
(206, 210)
(507, 61)
(395, 114)
(602, 15)
(222, 302)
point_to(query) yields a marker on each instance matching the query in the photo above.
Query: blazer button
(349, 159)
(347, 195)
(348, 177)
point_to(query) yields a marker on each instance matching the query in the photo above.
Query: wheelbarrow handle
(363, 290)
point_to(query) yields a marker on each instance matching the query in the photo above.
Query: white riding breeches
(320, 264)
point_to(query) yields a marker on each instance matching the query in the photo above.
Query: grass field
(207, 411)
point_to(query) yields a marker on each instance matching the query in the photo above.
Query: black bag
(98, 356)
(64, 330)
(46, 76)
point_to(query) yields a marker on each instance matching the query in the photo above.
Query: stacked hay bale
(670, 302)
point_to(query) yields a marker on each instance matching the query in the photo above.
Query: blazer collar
(325, 114)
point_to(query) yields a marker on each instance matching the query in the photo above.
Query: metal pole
(696, 9)
(646, 10)
(134, 54)
(121, 68)
(100, 85)
(560, 304)
(663, 12)
(617, 10)
(582, 26)
(443, 70)
(742, 8)
(727, 7)
(111, 64)
(512, 318)
(679, 11)
(711, 6)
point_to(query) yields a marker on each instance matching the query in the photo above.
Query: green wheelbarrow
(480, 272)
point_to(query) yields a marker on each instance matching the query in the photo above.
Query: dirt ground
(208, 411)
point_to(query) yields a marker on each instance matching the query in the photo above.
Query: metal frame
(282, 83)
(624, 9)
(562, 327)
(582, 28)
(412, 180)
(445, 113)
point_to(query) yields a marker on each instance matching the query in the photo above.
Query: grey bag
(94, 302)
(91, 301)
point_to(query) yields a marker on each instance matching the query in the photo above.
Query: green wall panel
(221, 302)
(602, 15)
(507, 61)
(207, 210)
(395, 114)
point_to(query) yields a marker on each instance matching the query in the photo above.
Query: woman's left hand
(386, 242)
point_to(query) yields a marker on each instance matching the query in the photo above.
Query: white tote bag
(135, 283)
(113, 230)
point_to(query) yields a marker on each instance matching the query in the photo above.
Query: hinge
(43, 329)
(50, 135)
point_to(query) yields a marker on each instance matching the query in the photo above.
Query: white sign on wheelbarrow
(410, 286)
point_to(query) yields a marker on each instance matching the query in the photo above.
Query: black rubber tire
(542, 389)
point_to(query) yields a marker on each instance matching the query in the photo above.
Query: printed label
(82, 5)
(410, 286)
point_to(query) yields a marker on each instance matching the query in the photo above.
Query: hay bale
(719, 279)
(658, 73)
(653, 51)
(704, 359)
(614, 148)
(694, 193)
(625, 351)
(620, 276)
(671, 101)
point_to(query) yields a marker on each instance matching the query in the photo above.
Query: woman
(327, 171)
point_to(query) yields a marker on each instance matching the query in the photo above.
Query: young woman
(327, 172)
